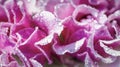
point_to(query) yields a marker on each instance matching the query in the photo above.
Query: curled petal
(82, 12)
(111, 43)
(70, 48)
(108, 59)
(113, 6)
(110, 51)
(47, 22)
(115, 15)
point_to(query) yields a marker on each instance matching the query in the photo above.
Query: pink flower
(22, 35)
(33, 32)
(97, 45)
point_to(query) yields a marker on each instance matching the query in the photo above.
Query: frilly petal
(83, 12)
(114, 16)
(109, 50)
(47, 22)
(70, 48)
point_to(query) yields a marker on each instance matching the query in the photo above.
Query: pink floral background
(59, 33)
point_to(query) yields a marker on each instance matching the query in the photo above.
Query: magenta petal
(3, 16)
(109, 50)
(34, 33)
(50, 5)
(17, 13)
(48, 24)
(25, 33)
(45, 20)
(71, 39)
(6, 44)
(83, 12)
(70, 48)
